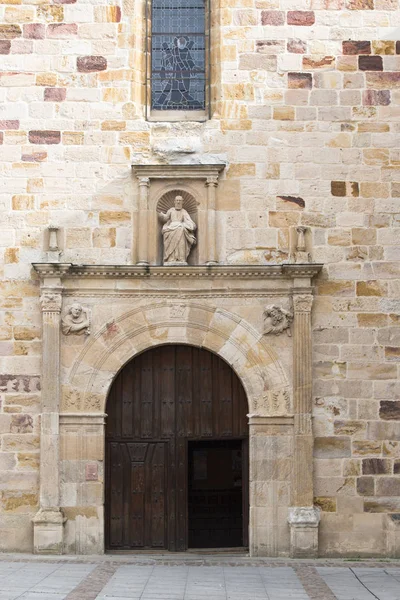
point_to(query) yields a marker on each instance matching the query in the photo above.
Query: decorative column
(211, 184)
(303, 516)
(48, 522)
(142, 233)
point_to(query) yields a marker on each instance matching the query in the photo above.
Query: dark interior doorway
(215, 494)
(166, 409)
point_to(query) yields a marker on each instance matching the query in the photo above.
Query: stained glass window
(178, 55)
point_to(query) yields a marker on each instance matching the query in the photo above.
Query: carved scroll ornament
(277, 320)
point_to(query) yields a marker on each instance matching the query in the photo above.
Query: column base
(48, 530)
(304, 521)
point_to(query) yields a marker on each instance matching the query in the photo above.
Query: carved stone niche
(191, 206)
(157, 186)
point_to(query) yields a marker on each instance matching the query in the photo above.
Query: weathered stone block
(301, 17)
(272, 17)
(389, 410)
(387, 486)
(356, 47)
(365, 486)
(376, 466)
(91, 64)
(332, 447)
(299, 80)
(45, 137)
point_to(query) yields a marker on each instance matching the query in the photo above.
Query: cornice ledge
(178, 171)
(52, 269)
(302, 270)
(198, 272)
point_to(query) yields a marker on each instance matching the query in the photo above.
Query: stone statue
(76, 321)
(177, 234)
(277, 319)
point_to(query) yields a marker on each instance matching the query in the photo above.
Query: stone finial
(76, 321)
(301, 240)
(277, 320)
(301, 253)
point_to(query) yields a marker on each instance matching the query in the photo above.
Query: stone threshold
(192, 559)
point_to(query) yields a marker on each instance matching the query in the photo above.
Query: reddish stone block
(299, 81)
(370, 63)
(55, 94)
(34, 31)
(296, 46)
(325, 63)
(272, 17)
(5, 46)
(90, 64)
(9, 32)
(61, 30)
(45, 137)
(301, 17)
(376, 97)
(9, 124)
(355, 47)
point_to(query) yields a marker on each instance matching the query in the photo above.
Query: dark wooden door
(158, 403)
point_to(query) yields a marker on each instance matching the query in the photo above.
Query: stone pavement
(172, 577)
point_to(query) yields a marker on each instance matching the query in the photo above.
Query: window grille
(178, 55)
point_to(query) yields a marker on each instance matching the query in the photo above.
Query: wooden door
(160, 401)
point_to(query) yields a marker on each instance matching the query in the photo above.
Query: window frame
(171, 115)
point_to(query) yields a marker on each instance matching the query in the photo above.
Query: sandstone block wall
(305, 110)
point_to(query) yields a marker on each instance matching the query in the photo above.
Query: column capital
(144, 181)
(51, 300)
(302, 302)
(212, 181)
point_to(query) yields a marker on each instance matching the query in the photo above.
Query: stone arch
(177, 322)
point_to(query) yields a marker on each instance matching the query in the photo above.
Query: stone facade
(303, 134)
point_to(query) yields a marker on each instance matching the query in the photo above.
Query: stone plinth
(48, 531)
(304, 523)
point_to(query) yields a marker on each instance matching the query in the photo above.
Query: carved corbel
(76, 321)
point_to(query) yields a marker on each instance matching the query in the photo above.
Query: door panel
(137, 480)
(160, 401)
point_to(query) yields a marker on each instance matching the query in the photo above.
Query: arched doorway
(176, 473)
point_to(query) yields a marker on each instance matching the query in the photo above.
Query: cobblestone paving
(194, 578)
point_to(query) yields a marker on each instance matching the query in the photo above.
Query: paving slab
(211, 577)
